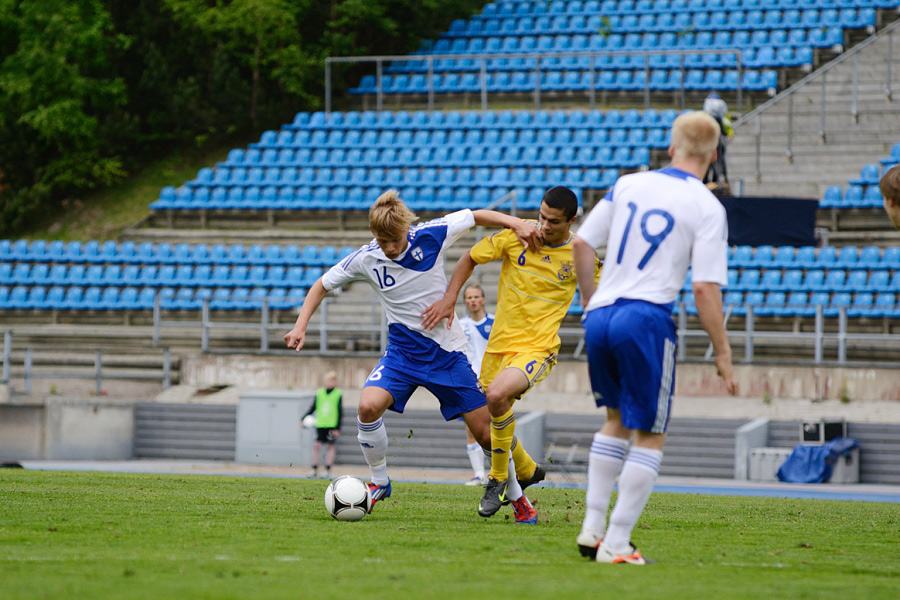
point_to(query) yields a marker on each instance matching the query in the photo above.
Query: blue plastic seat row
(98, 298)
(661, 20)
(284, 150)
(808, 257)
(627, 150)
(803, 303)
(591, 41)
(624, 79)
(469, 70)
(813, 280)
(537, 8)
(395, 176)
(855, 196)
(320, 124)
(422, 197)
(166, 253)
(156, 275)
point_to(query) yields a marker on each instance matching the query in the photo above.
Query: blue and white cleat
(378, 492)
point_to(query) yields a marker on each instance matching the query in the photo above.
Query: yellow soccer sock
(525, 465)
(502, 433)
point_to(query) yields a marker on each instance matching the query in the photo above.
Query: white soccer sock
(373, 440)
(635, 485)
(513, 489)
(476, 458)
(604, 464)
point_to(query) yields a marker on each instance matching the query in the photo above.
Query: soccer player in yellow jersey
(534, 293)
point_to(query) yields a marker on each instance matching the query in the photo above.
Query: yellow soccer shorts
(535, 365)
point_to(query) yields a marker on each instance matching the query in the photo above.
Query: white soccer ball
(309, 421)
(348, 498)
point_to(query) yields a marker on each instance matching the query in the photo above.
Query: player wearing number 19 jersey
(405, 267)
(654, 225)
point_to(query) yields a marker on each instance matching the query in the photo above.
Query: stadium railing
(98, 365)
(829, 90)
(737, 83)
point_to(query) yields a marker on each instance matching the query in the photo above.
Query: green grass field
(106, 535)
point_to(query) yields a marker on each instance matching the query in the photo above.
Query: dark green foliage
(91, 90)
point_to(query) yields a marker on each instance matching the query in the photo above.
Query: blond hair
(890, 185)
(389, 217)
(695, 135)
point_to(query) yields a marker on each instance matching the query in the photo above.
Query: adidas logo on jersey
(546, 259)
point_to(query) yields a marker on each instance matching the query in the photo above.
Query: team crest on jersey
(566, 270)
(417, 253)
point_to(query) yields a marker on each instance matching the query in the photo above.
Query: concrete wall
(568, 378)
(67, 429)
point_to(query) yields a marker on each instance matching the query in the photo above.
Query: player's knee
(368, 412)
(498, 402)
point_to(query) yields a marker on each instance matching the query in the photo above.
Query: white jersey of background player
(476, 324)
(654, 225)
(405, 267)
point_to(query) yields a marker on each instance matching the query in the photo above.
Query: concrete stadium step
(850, 142)
(185, 431)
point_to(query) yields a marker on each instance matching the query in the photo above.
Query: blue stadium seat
(833, 197)
(742, 256)
(749, 280)
(784, 257)
(857, 280)
(848, 257)
(770, 280)
(835, 280)
(826, 257)
(879, 281)
(814, 280)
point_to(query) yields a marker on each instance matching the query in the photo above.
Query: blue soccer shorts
(449, 377)
(631, 361)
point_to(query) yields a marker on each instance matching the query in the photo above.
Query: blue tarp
(814, 464)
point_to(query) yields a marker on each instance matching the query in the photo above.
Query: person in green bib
(327, 410)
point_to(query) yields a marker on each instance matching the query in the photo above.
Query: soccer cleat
(378, 492)
(587, 542)
(632, 557)
(538, 475)
(475, 481)
(524, 512)
(494, 497)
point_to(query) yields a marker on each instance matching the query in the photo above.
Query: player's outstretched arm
(445, 307)
(585, 260)
(296, 337)
(528, 233)
(708, 298)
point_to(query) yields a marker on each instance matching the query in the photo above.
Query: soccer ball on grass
(347, 498)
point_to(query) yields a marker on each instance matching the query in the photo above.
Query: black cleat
(494, 497)
(537, 476)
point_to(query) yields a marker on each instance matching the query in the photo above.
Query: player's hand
(434, 314)
(726, 371)
(295, 338)
(530, 235)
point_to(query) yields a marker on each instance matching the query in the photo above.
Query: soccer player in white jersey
(654, 225)
(477, 327)
(405, 267)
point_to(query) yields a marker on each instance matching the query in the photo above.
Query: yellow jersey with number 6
(533, 293)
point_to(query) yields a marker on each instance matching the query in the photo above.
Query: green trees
(57, 96)
(91, 89)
